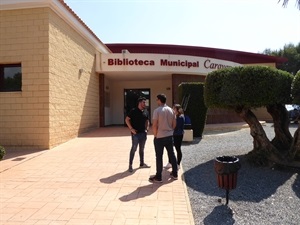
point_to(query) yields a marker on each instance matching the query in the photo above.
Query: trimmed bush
(248, 86)
(296, 89)
(196, 108)
(2, 152)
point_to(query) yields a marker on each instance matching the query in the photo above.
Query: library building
(58, 79)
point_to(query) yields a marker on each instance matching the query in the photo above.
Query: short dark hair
(140, 99)
(162, 98)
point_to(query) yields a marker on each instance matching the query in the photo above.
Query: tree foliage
(292, 53)
(296, 89)
(196, 108)
(245, 88)
(285, 3)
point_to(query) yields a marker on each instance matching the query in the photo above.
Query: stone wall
(74, 85)
(57, 101)
(24, 115)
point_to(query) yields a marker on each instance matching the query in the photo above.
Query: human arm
(155, 127)
(147, 124)
(174, 122)
(128, 123)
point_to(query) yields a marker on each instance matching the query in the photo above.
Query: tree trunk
(283, 138)
(294, 153)
(264, 152)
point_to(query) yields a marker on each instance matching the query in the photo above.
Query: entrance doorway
(130, 100)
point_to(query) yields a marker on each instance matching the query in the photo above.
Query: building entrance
(130, 100)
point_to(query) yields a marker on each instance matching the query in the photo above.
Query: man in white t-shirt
(164, 122)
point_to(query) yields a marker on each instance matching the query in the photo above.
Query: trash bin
(226, 168)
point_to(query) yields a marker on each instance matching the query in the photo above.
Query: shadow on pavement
(202, 178)
(143, 191)
(20, 155)
(223, 210)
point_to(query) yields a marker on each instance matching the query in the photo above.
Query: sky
(242, 25)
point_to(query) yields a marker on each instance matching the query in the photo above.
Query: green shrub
(296, 89)
(2, 152)
(248, 86)
(196, 108)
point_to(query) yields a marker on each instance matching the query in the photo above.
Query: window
(10, 77)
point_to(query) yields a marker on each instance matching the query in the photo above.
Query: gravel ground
(268, 196)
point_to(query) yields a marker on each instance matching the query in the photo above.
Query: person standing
(137, 121)
(178, 134)
(164, 122)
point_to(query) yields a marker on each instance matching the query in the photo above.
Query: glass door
(130, 100)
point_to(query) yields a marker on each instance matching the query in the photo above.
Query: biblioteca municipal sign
(161, 62)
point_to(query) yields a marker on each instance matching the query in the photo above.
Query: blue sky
(243, 25)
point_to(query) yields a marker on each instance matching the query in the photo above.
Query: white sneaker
(168, 166)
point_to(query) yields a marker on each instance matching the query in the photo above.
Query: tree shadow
(220, 213)
(202, 178)
(20, 155)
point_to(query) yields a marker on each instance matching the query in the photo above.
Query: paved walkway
(85, 181)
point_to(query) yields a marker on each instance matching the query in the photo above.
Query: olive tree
(294, 151)
(243, 89)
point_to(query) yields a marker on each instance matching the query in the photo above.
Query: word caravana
(209, 65)
(163, 62)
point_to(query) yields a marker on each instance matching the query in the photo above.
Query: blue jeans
(159, 145)
(138, 139)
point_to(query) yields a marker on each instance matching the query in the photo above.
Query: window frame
(2, 79)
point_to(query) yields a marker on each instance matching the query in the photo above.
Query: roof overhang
(223, 54)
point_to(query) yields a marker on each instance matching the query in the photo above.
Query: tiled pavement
(85, 181)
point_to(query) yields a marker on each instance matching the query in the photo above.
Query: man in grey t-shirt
(164, 122)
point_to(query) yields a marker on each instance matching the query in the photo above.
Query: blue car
(294, 112)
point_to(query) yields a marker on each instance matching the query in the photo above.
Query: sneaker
(168, 166)
(173, 177)
(144, 166)
(130, 169)
(154, 179)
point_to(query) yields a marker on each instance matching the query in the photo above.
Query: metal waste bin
(226, 168)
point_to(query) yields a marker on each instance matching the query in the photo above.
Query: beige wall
(56, 102)
(74, 96)
(273, 65)
(24, 116)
